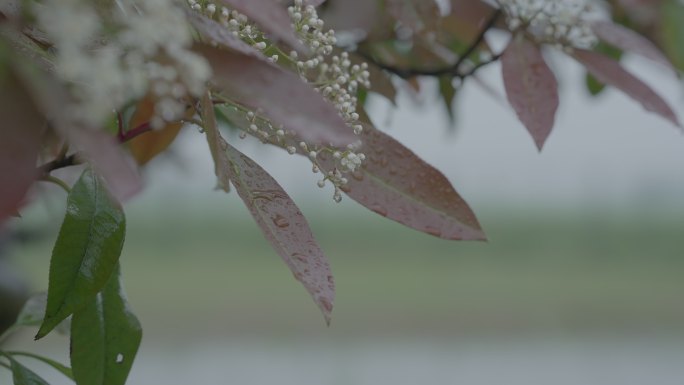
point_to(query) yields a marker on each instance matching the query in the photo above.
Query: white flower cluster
(113, 57)
(564, 23)
(334, 76)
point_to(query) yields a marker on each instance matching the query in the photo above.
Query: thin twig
(452, 70)
(57, 181)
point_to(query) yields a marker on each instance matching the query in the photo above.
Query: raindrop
(379, 209)
(433, 231)
(280, 221)
(119, 358)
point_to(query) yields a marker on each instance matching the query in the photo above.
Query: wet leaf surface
(86, 251)
(395, 183)
(531, 88)
(285, 227)
(105, 336)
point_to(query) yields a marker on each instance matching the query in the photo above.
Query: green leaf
(23, 376)
(672, 31)
(105, 336)
(448, 93)
(594, 86)
(65, 370)
(86, 252)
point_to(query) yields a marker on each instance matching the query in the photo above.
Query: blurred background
(581, 281)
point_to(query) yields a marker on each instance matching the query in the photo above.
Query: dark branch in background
(60, 162)
(452, 70)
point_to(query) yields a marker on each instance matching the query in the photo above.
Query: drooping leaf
(20, 132)
(152, 143)
(594, 86)
(279, 94)
(531, 88)
(630, 41)
(285, 228)
(611, 72)
(23, 375)
(271, 17)
(672, 31)
(65, 370)
(86, 252)
(395, 183)
(216, 33)
(217, 145)
(105, 336)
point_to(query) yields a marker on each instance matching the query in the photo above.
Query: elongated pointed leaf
(628, 40)
(105, 336)
(86, 252)
(609, 71)
(531, 88)
(220, 35)
(23, 375)
(285, 228)
(397, 184)
(271, 17)
(217, 145)
(65, 370)
(279, 94)
(19, 142)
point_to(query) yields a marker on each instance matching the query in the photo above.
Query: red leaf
(109, 160)
(19, 143)
(271, 17)
(531, 88)
(101, 149)
(609, 71)
(628, 40)
(397, 184)
(282, 96)
(285, 228)
(218, 34)
(217, 145)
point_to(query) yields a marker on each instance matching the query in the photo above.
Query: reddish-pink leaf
(99, 148)
(285, 228)
(19, 143)
(217, 145)
(628, 40)
(109, 160)
(531, 87)
(218, 34)
(271, 17)
(397, 184)
(609, 71)
(280, 95)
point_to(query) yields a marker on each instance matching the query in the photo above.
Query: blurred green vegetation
(202, 270)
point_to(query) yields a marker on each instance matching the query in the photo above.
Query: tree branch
(452, 70)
